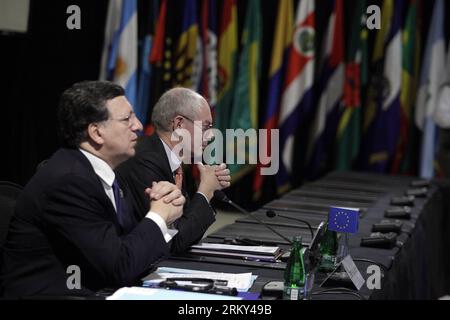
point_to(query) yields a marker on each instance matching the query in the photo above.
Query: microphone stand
(221, 196)
(272, 214)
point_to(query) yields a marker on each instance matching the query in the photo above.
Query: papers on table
(256, 253)
(138, 293)
(241, 281)
(233, 248)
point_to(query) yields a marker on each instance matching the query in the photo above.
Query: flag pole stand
(339, 276)
(342, 248)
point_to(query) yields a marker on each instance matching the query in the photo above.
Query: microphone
(221, 196)
(272, 214)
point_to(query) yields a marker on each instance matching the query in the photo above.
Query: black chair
(41, 164)
(9, 192)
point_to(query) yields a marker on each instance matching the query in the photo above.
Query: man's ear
(95, 133)
(177, 121)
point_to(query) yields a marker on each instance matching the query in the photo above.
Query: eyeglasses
(128, 120)
(204, 128)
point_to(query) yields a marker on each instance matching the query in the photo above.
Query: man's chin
(131, 153)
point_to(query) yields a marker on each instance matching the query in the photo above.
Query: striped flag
(228, 45)
(209, 82)
(410, 56)
(281, 43)
(331, 87)
(143, 99)
(120, 49)
(356, 73)
(161, 56)
(296, 101)
(432, 77)
(189, 53)
(244, 114)
(382, 118)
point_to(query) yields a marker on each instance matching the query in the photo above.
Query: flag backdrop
(432, 77)
(209, 29)
(281, 42)
(189, 53)
(337, 122)
(356, 73)
(120, 49)
(331, 86)
(228, 46)
(410, 53)
(296, 100)
(385, 126)
(244, 114)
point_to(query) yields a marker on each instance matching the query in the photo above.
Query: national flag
(209, 76)
(189, 55)
(384, 108)
(410, 55)
(328, 111)
(356, 73)
(244, 114)
(144, 84)
(297, 99)
(161, 56)
(432, 77)
(281, 43)
(228, 46)
(120, 49)
(209, 29)
(344, 220)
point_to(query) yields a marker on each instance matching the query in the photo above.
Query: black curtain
(36, 68)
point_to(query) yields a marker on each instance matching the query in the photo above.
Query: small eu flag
(343, 220)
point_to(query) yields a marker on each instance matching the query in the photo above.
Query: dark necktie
(118, 199)
(179, 178)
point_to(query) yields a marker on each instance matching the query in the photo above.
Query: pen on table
(259, 259)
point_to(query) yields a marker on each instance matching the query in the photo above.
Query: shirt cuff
(206, 198)
(168, 234)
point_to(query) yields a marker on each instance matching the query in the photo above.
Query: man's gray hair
(176, 101)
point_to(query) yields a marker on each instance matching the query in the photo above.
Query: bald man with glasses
(179, 109)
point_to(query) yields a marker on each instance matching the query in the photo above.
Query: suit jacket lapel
(110, 212)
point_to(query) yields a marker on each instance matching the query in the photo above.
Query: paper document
(138, 293)
(241, 255)
(241, 281)
(234, 248)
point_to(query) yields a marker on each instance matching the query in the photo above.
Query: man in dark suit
(73, 232)
(179, 112)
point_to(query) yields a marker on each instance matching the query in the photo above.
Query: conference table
(415, 267)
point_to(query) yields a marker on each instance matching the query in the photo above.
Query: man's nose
(137, 125)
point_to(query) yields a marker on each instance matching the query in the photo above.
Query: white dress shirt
(107, 176)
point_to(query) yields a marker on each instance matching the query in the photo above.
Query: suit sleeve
(197, 216)
(137, 174)
(81, 219)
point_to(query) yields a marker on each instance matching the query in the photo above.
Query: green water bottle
(328, 250)
(295, 273)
